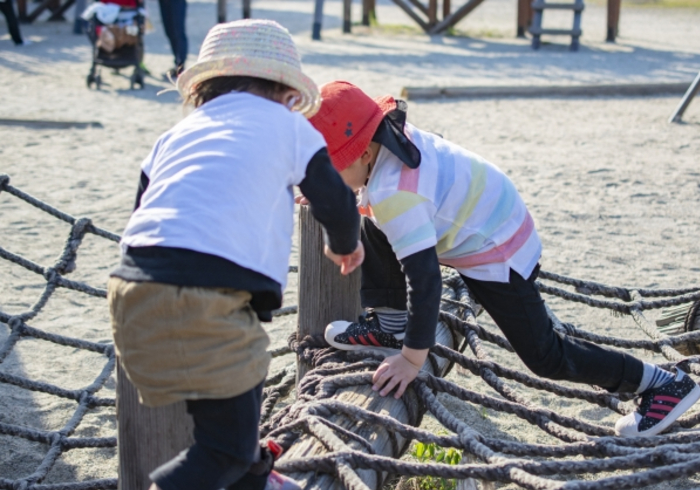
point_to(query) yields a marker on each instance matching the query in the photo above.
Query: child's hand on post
(347, 263)
(398, 371)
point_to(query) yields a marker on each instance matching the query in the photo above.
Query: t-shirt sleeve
(308, 142)
(406, 218)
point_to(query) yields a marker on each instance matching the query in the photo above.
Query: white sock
(654, 377)
(391, 320)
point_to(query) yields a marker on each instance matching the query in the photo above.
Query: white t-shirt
(458, 203)
(221, 182)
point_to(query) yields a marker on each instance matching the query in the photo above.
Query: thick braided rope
(669, 456)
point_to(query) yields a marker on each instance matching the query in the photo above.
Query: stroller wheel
(90, 80)
(98, 82)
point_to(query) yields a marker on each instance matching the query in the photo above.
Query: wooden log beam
(148, 437)
(362, 396)
(613, 20)
(455, 17)
(324, 294)
(409, 11)
(417, 3)
(685, 102)
(592, 90)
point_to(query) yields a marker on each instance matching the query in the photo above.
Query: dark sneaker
(365, 333)
(660, 407)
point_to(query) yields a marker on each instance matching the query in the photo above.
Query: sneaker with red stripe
(660, 407)
(365, 333)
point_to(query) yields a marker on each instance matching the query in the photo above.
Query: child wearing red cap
(428, 202)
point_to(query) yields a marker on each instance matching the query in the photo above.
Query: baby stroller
(115, 29)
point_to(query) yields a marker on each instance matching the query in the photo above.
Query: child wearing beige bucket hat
(206, 250)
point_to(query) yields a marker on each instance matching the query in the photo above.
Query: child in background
(429, 202)
(206, 251)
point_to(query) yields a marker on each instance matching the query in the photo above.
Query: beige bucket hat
(253, 48)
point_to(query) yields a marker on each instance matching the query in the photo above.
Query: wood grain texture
(324, 294)
(147, 437)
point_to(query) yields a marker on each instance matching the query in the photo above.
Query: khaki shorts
(186, 343)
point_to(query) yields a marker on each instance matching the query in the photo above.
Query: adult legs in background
(12, 24)
(173, 13)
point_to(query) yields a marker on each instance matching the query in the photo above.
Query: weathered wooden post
(613, 20)
(318, 20)
(147, 437)
(324, 294)
(221, 11)
(347, 16)
(524, 17)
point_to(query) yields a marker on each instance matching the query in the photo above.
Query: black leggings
(518, 310)
(12, 25)
(226, 440)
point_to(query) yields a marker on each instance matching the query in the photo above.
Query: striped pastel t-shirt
(457, 202)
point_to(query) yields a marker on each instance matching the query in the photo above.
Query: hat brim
(266, 69)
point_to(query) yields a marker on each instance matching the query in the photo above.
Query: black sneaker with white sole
(365, 333)
(660, 407)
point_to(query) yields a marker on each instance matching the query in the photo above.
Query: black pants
(518, 310)
(225, 443)
(173, 13)
(12, 25)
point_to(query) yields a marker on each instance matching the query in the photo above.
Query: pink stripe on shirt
(498, 254)
(409, 179)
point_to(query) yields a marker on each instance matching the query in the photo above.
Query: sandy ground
(613, 188)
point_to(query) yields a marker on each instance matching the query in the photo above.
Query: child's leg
(383, 290)
(383, 281)
(225, 447)
(518, 310)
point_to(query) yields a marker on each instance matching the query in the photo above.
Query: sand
(613, 188)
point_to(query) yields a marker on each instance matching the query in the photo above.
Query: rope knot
(15, 322)
(51, 275)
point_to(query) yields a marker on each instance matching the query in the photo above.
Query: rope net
(582, 455)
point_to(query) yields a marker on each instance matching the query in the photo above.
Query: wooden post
(246, 9)
(446, 8)
(613, 20)
(432, 12)
(318, 20)
(685, 102)
(366, 8)
(221, 11)
(324, 294)
(347, 16)
(147, 437)
(524, 16)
